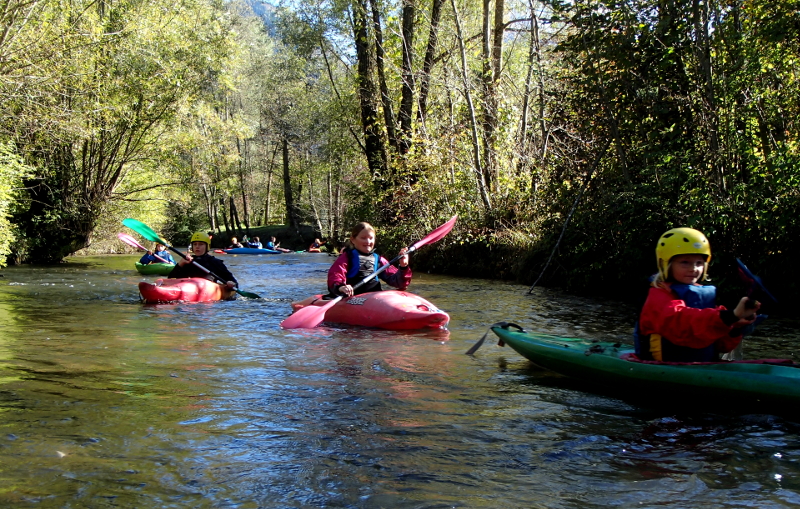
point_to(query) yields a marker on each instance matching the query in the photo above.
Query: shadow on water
(107, 402)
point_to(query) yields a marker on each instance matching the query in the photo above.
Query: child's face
(687, 268)
(199, 248)
(364, 241)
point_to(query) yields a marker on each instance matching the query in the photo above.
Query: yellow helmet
(201, 237)
(678, 241)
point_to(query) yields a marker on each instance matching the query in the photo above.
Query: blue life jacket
(695, 296)
(359, 267)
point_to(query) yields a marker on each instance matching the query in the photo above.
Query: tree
(117, 76)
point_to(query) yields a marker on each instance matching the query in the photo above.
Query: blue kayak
(250, 250)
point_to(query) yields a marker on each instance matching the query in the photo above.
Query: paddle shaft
(131, 241)
(219, 279)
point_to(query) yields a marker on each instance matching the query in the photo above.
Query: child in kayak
(680, 321)
(276, 246)
(159, 251)
(185, 268)
(358, 260)
(234, 243)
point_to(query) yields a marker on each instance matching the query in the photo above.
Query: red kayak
(390, 309)
(192, 289)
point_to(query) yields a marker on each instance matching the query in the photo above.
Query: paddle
(124, 237)
(504, 325)
(146, 232)
(311, 316)
(753, 280)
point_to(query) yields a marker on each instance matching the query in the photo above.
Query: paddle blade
(436, 234)
(753, 280)
(143, 230)
(247, 294)
(309, 316)
(478, 344)
(124, 237)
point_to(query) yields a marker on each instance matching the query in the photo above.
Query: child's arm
(665, 314)
(337, 274)
(398, 277)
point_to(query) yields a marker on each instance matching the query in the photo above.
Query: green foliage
(12, 173)
(182, 222)
(115, 76)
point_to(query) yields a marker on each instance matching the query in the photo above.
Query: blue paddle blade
(753, 280)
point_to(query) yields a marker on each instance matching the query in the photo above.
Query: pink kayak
(192, 289)
(386, 310)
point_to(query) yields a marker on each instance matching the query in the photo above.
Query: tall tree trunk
(235, 217)
(243, 165)
(407, 97)
(228, 224)
(311, 201)
(386, 97)
(268, 203)
(702, 51)
(287, 187)
(427, 65)
(492, 50)
(476, 147)
(375, 150)
(331, 203)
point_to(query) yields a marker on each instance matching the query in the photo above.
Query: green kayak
(155, 269)
(756, 382)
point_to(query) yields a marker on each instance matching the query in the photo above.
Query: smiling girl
(358, 260)
(680, 321)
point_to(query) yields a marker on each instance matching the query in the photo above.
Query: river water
(106, 402)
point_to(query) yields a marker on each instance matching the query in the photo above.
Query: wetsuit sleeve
(397, 277)
(663, 313)
(180, 272)
(144, 260)
(219, 268)
(337, 274)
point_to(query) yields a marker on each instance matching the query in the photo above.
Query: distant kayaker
(234, 243)
(680, 321)
(199, 247)
(358, 260)
(255, 243)
(160, 251)
(276, 246)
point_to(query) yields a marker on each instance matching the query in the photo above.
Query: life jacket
(657, 348)
(361, 266)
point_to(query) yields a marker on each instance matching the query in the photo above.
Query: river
(106, 402)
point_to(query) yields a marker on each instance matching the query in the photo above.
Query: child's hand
(186, 260)
(746, 311)
(403, 261)
(346, 290)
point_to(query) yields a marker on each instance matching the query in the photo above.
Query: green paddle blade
(246, 294)
(143, 230)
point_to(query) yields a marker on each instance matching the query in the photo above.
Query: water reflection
(107, 402)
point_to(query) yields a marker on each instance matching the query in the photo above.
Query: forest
(567, 135)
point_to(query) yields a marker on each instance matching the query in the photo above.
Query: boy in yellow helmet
(199, 246)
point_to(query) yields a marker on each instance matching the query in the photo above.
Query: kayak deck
(390, 309)
(192, 289)
(614, 364)
(155, 269)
